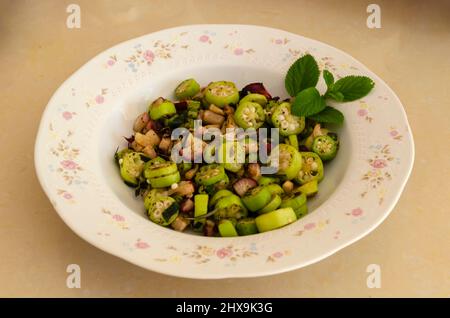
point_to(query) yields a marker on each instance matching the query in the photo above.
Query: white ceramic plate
(89, 114)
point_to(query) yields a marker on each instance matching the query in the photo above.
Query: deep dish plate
(87, 117)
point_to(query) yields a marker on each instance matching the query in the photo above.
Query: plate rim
(261, 272)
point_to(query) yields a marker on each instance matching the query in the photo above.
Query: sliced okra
(249, 115)
(256, 198)
(221, 93)
(254, 98)
(161, 108)
(187, 89)
(312, 168)
(210, 174)
(288, 123)
(325, 146)
(131, 167)
(289, 160)
(162, 210)
(272, 205)
(246, 226)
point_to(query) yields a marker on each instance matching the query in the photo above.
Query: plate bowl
(88, 116)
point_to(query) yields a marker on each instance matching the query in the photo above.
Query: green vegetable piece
(256, 198)
(161, 108)
(119, 154)
(200, 209)
(272, 205)
(187, 89)
(301, 211)
(288, 123)
(232, 155)
(230, 207)
(184, 167)
(269, 109)
(219, 195)
(310, 188)
(193, 108)
(293, 141)
(200, 204)
(153, 161)
(302, 74)
(165, 181)
(222, 184)
(221, 93)
(159, 169)
(246, 226)
(175, 121)
(289, 160)
(162, 210)
(325, 146)
(312, 168)
(254, 98)
(275, 219)
(263, 180)
(210, 174)
(228, 201)
(150, 196)
(227, 229)
(275, 188)
(293, 201)
(131, 167)
(249, 115)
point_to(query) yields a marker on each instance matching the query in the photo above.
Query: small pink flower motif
(141, 245)
(357, 212)
(310, 226)
(118, 218)
(336, 234)
(99, 99)
(238, 51)
(278, 41)
(277, 254)
(111, 62)
(223, 252)
(67, 115)
(362, 112)
(67, 196)
(69, 164)
(393, 133)
(378, 163)
(149, 56)
(204, 38)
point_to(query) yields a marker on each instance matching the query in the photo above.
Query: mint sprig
(302, 74)
(301, 79)
(329, 115)
(328, 77)
(351, 88)
(308, 102)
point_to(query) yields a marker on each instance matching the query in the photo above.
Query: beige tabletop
(411, 52)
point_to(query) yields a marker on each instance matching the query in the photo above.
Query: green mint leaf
(353, 87)
(328, 77)
(302, 74)
(337, 96)
(329, 115)
(308, 102)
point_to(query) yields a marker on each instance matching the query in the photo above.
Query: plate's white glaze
(86, 118)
